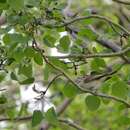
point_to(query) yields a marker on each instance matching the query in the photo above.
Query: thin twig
(57, 76)
(105, 55)
(77, 65)
(90, 17)
(27, 118)
(103, 95)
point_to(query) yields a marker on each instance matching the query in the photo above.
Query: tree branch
(82, 89)
(105, 55)
(61, 108)
(107, 97)
(27, 118)
(57, 76)
(71, 124)
(122, 2)
(3, 89)
(90, 17)
(2, 20)
(88, 91)
(109, 44)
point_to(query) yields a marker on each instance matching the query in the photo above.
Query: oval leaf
(37, 117)
(70, 90)
(92, 102)
(64, 44)
(49, 40)
(38, 59)
(51, 116)
(27, 81)
(120, 89)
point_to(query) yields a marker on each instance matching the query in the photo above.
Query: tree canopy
(78, 52)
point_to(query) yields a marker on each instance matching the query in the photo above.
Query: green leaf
(38, 58)
(7, 38)
(58, 63)
(32, 3)
(70, 90)
(97, 64)
(18, 54)
(29, 52)
(51, 116)
(37, 118)
(87, 12)
(123, 120)
(16, 4)
(3, 99)
(3, 1)
(105, 87)
(119, 89)
(22, 110)
(64, 44)
(88, 33)
(11, 113)
(48, 70)
(14, 38)
(3, 6)
(76, 49)
(49, 40)
(2, 76)
(92, 102)
(26, 70)
(27, 81)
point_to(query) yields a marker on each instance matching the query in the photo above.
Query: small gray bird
(93, 81)
(89, 82)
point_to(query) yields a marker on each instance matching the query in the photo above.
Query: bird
(89, 82)
(93, 81)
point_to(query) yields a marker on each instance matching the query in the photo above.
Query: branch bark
(122, 2)
(71, 124)
(62, 120)
(91, 17)
(105, 55)
(2, 20)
